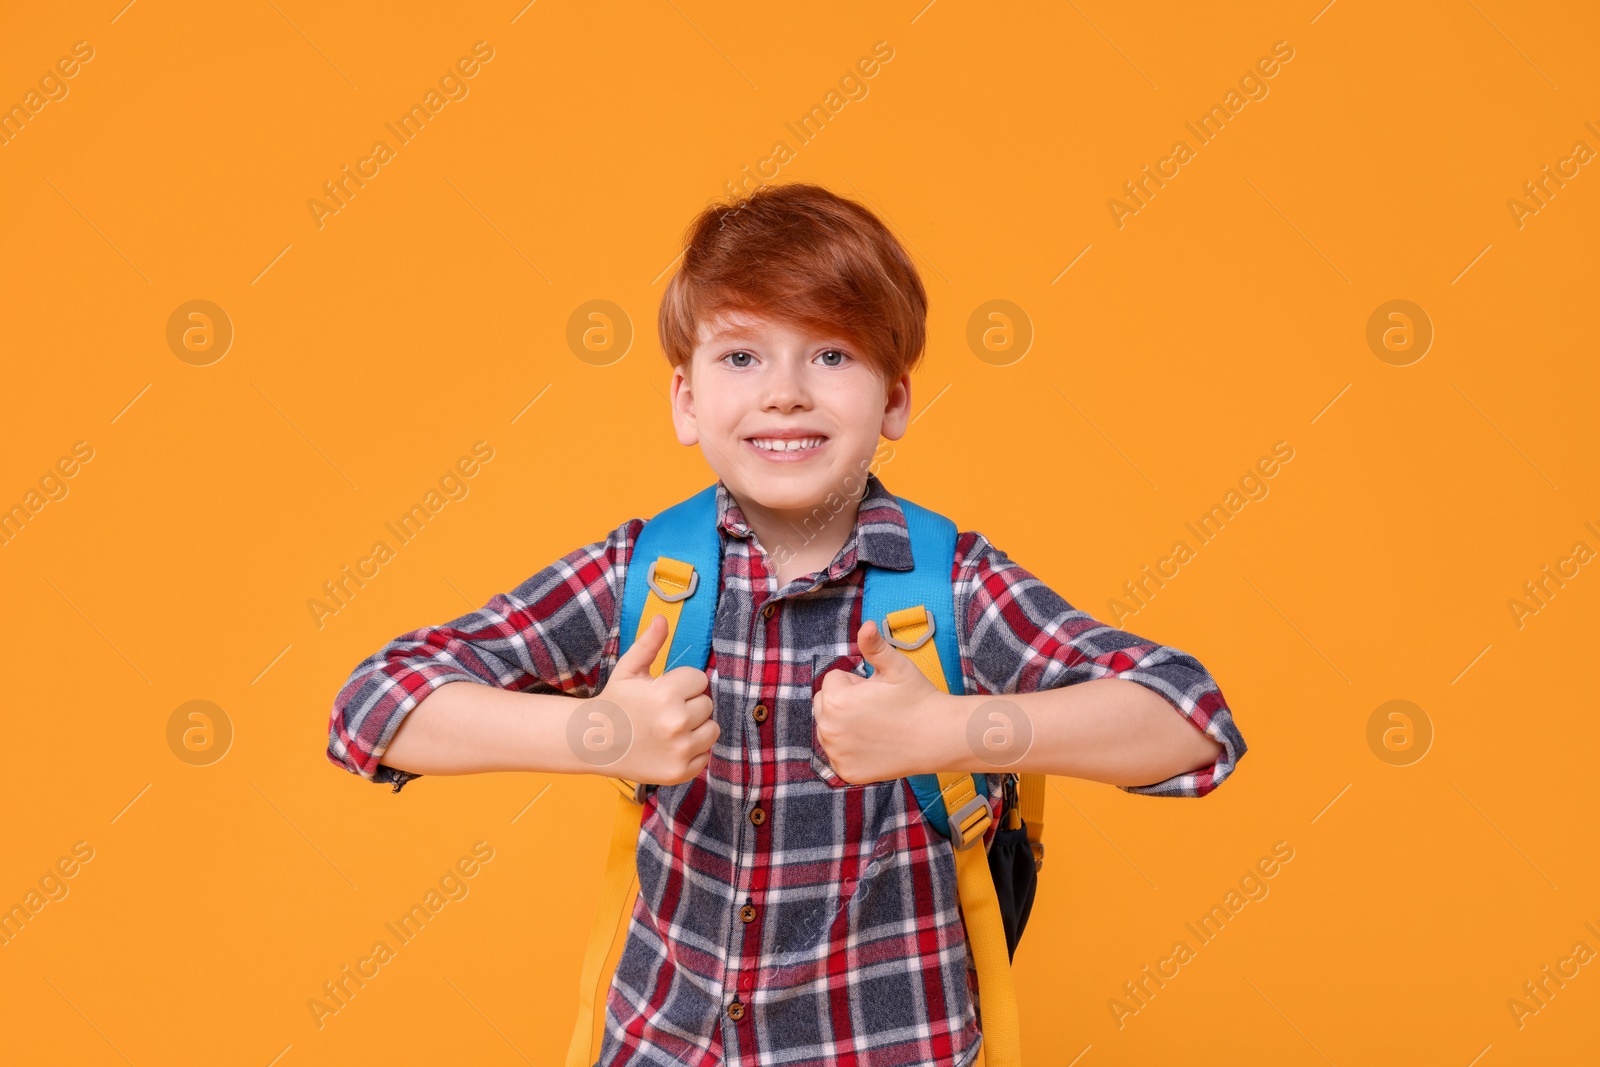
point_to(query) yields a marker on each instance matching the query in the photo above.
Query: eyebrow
(749, 332)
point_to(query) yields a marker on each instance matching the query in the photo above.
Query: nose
(784, 385)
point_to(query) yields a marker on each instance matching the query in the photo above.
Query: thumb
(880, 653)
(636, 661)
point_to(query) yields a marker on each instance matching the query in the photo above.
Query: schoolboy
(793, 905)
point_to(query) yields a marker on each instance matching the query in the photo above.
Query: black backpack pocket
(1015, 880)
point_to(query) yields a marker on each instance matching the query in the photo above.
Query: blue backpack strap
(933, 553)
(686, 531)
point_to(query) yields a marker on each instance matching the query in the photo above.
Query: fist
(668, 719)
(874, 729)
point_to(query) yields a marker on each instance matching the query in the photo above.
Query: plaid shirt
(834, 923)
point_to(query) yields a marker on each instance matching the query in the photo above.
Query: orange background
(1228, 314)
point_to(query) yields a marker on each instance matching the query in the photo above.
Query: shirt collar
(879, 536)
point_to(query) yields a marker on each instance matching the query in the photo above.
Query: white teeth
(773, 444)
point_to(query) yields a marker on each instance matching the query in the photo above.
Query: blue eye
(734, 355)
(835, 351)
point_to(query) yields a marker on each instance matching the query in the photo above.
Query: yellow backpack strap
(906, 630)
(671, 582)
(618, 890)
(980, 907)
(1030, 799)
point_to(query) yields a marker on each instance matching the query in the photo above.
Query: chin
(788, 487)
(782, 494)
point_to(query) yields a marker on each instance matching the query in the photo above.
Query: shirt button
(758, 815)
(747, 913)
(766, 612)
(759, 713)
(736, 1011)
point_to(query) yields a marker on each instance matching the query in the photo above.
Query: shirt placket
(752, 864)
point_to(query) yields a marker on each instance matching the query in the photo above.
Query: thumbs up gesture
(877, 728)
(665, 726)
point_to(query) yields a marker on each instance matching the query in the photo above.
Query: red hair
(799, 254)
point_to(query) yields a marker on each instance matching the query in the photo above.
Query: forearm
(465, 728)
(1105, 730)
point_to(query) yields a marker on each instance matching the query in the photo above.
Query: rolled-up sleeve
(1022, 636)
(556, 632)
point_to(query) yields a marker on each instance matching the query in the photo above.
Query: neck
(800, 540)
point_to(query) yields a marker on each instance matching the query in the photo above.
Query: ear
(897, 408)
(681, 394)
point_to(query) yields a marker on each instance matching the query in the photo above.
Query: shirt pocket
(820, 766)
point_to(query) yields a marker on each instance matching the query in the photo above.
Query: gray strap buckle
(650, 580)
(883, 627)
(959, 818)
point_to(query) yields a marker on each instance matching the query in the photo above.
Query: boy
(793, 907)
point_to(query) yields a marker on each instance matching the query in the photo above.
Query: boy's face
(755, 382)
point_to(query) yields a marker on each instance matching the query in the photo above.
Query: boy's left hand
(883, 727)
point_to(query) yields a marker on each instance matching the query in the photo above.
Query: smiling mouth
(787, 448)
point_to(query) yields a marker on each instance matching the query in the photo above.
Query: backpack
(915, 611)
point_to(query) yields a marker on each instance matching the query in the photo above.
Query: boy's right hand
(668, 718)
